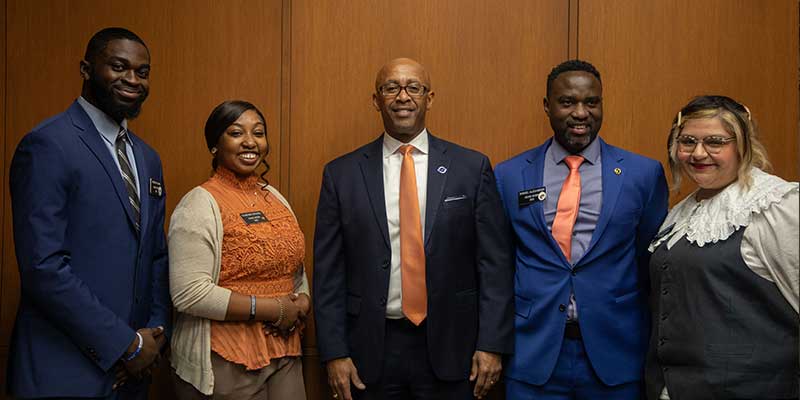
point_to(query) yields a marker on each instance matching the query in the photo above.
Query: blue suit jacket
(609, 281)
(469, 269)
(88, 280)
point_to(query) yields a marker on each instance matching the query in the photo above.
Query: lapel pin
(617, 171)
(441, 169)
(542, 196)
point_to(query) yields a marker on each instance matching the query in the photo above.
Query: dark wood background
(310, 66)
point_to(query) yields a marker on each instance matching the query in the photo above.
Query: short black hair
(571, 65)
(100, 40)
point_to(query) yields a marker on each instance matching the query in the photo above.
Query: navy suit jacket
(609, 281)
(88, 279)
(469, 269)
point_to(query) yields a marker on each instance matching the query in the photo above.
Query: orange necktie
(568, 202)
(412, 253)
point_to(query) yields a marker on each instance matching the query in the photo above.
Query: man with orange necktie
(413, 270)
(583, 213)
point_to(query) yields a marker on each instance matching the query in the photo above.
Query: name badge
(253, 217)
(156, 188)
(530, 196)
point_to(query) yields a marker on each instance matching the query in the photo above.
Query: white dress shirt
(392, 162)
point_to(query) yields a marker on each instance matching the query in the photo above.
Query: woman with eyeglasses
(724, 267)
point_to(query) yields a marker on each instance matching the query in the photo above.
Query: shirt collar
(108, 128)
(420, 143)
(590, 154)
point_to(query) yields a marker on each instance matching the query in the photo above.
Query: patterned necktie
(127, 174)
(568, 202)
(412, 253)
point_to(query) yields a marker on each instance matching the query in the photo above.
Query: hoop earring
(213, 151)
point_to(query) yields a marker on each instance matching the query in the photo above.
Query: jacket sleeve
(161, 311)
(41, 189)
(193, 246)
(495, 263)
(329, 275)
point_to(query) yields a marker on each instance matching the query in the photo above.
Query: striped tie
(127, 174)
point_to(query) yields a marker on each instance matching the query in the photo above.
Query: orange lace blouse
(259, 259)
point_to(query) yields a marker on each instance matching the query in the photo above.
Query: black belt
(572, 331)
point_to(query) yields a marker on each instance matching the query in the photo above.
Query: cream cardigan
(195, 256)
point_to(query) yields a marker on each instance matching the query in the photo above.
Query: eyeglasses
(712, 144)
(414, 89)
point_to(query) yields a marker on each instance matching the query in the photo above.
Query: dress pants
(282, 379)
(573, 379)
(407, 372)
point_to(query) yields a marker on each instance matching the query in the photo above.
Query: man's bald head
(403, 63)
(403, 95)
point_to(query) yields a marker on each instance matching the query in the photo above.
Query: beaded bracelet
(281, 313)
(138, 348)
(252, 307)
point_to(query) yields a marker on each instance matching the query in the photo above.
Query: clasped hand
(295, 311)
(145, 362)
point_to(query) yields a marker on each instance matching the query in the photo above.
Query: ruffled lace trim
(715, 219)
(230, 178)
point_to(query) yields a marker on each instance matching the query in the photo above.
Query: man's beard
(108, 103)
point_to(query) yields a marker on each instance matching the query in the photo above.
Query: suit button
(665, 267)
(574, 272)
(562, 308)
(383, 301)
(385, 264)
(665, 369)
(664, 292)
(664, 316)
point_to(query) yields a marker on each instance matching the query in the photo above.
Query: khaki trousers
(282, 379)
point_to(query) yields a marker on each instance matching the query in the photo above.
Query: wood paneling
(656, 55)
(310, 66)
(488, 62)
(3, 212)
(202, 52)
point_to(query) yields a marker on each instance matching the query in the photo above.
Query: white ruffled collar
(717, 218)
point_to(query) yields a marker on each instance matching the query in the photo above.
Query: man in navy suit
(372, 333)
(580, 291)
(88, 208)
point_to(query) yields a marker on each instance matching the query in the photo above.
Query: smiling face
(575, 108)
(117, 80)
(243, 144)
(403, 115)
(711, 172)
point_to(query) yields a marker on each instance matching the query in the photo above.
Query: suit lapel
(372, 170)
(143, 181)
(533, 177)
(91, 138)
(437, 158)
(612, 184)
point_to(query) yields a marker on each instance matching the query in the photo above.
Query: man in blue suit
(88, 208)
(411, 303)
(583, 212)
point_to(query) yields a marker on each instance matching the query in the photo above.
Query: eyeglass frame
(710, 150)
(425, 90)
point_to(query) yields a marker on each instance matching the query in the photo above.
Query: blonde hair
(738, 122)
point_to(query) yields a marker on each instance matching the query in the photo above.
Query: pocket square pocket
(449, 199)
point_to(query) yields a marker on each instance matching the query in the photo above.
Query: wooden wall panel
(656, 55)
(488, 63)
(4, 241)
(202, 52)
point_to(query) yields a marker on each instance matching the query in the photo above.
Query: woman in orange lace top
(236, 257)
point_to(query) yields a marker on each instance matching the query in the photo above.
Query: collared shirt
(109, 129)
(392, 161)
(555, 172)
